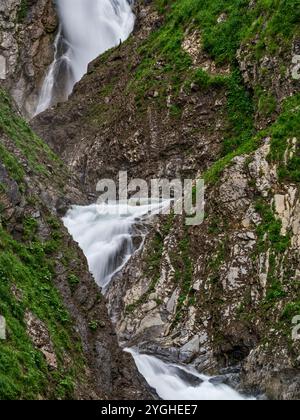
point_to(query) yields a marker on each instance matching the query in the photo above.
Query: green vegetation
(285, 141)
(269, 231)
(270, 238)
(275, 22)
(93, 325)
(153, 262)
(22, 11)
(165, 67)
(24, 374)
(27, 272)
(12, 165)
(73, 281)
(291, 310)
(37, 153)
(267, 104)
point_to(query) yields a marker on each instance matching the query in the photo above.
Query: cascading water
(86, 31)
(173, 382)
(105, 235)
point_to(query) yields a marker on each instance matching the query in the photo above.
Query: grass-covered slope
(30, 243)
(230, 32)
(51, 304)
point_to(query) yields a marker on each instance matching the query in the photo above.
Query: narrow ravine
(104, 233)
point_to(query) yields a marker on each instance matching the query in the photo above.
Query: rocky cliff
(27, 31)
(60, 343)
(212, 91)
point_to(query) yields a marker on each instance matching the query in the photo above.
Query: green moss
(184, 274)
(27, 265)
(271, 240)
(22, 11)
(290, 311)
(285, 145)
(269, 231)
(30, 228)
(12, 165)
(285, 128)
(74, 281)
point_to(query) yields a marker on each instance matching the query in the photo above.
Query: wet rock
(26, 48)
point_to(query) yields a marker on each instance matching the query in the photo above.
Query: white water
(88, 29)
(104, 233)
(169, 385)
(45, 98)
(106, 239)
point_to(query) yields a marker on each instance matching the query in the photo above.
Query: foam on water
(165, 378)
(104, 233)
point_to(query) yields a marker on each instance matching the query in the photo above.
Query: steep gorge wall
(60, 342)
(27, 31)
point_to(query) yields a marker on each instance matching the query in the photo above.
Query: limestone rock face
(39, 335)
(230, 303)
(27, 30)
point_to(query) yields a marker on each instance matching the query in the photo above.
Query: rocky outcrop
(239, 293)
(27, 31)
(40, 337)
(150, 140)
(273, 77)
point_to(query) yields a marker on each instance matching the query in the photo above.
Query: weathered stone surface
(26, 48)
(39, 335)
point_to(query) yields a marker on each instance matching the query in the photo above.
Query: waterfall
(174, 382)
(104, 233)
(86, 31)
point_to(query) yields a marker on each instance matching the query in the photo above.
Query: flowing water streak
(169, 382)
(45, 97)
(86, 31)
(104, 233)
